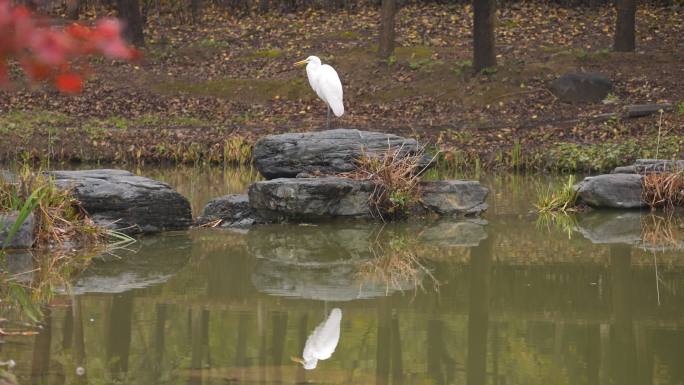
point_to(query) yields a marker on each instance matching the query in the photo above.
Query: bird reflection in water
(322, 342)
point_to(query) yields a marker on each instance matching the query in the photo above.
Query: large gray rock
(120, 200)
(612, 191)
(232, 211)
(25, 235)
(317, 198)
(581, 87)
(454, 197)
(310, 198)
(647, 166)
(324, 152)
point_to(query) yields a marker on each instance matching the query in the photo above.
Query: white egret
(324, 80)
(322, 342)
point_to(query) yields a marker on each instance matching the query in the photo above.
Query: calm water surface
(509, 300)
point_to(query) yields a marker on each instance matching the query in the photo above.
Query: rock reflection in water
(20, 266)
(127, 271)
(347, 261)
(649, 231)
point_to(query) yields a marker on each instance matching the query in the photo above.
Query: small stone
(581, 87)
(454, 197)
(648, 166)
(640, 110)
(229, 209)
(24, 237)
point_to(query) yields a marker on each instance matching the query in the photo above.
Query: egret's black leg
(327, 120)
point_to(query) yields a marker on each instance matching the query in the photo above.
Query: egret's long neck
(312, 68)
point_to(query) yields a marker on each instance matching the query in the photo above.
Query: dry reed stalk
(395, 262)
(661, 231)
(59, 216)
(394, 268)
(395, 175)
(663, 189)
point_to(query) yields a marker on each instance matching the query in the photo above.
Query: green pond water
(505, 300)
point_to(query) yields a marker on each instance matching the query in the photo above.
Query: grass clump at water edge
(58, 215)
(664, 190)
(395, 175)
(561, 198)
(63, 235)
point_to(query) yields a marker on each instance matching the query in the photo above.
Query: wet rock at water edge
(454, 197)
(231, 210)
(310, 198)
(317, 198)
(612, 191)
(581, 87)
(121, 200)
(324, 152)
(24, 236)
(649, 166)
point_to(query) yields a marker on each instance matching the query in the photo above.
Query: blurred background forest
(472, 78)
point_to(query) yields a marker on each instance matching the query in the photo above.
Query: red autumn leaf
(69, 83)
(79, 32)
(47, 53)
(36, 70)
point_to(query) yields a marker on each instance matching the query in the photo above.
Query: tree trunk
(387, 13)
(624, 26)
(129, 12)
(484, 14)
(72, 8)
(196, 10)
(263, 6)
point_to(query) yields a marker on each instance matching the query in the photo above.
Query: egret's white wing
(329, 88)
(322, 342)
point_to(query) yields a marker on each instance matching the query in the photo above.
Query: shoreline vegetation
(663, 190)
(42, 145)
(65, 241)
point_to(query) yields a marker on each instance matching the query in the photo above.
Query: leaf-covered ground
(201, 89)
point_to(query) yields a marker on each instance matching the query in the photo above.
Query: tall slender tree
(484, 20)
(388, 11)
(72, 8)
(625, 35)
(129, 12)
(196, 10)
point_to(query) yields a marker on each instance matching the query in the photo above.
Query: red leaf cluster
(47, 54)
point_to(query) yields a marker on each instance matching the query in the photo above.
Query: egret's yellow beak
(301, 63)
(297, 360)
